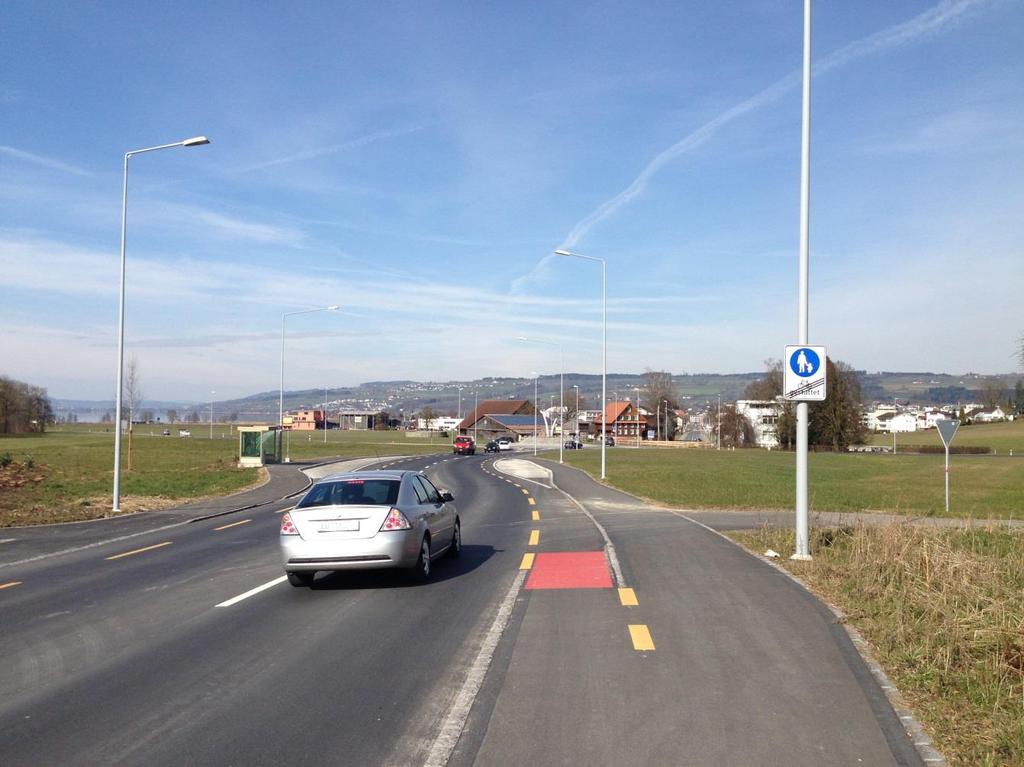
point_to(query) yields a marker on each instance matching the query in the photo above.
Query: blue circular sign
(804, 362)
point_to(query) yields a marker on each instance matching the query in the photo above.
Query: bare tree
(132, 397)
(768, 388)
(737, 431)
(172, 416)
(658, 397)
(993, 393)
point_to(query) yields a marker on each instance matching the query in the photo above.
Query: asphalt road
(139, 652)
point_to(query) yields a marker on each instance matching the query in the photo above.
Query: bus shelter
(259, 445)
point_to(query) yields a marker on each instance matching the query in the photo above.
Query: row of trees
(24, 409)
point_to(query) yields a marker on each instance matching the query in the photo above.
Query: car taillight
(287, 526)
(395, 520)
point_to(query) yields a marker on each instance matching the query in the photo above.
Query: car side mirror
(446, 496)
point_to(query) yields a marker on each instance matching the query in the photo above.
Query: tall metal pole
(120, 347)
(604, 361)
(325, 415)
(895, 410)
(604, 347)
(802, 538)
(535, 414)
(280, 401)
(561, 405)
(718, 432)
(197, 141)
(637, 389)
(211, 413)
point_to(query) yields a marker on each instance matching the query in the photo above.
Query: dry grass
(944, 610)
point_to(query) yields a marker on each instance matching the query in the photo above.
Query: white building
(764, 417)
(987, 415)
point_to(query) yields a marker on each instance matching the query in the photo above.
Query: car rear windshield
(353, 492)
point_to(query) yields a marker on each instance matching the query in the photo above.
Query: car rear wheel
(456, 548)
(301, 578)
(421, 570)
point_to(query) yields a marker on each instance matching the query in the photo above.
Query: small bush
(6, 460)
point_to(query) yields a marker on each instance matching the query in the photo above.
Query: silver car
(367, 520)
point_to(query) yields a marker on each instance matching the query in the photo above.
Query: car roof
(366, 474)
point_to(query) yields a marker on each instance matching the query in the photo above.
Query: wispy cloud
(45, 162)
(932, 21)
(343, 146)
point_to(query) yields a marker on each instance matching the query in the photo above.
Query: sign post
(804, 380)
(947, 428)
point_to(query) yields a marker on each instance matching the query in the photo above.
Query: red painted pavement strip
(570, 570)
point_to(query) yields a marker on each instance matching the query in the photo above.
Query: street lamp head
(522, 338)
(333, 308)
(562, 253)
(197, 141)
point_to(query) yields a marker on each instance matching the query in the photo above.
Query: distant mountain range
(407, 397)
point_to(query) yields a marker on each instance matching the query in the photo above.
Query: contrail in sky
(333, 148)
(933, 20)
(46, 162)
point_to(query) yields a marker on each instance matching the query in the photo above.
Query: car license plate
(339, 525)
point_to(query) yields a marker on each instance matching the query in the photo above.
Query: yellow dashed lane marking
(531, 501)
(527, 562)
(535, 515)
(9, 584)
(525, 491)
(534, 537)
(628, 598)
(233, 524)
(139, 551)
(641, 637)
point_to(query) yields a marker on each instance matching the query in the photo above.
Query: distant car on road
(609, 441)
(368, 520)
(166, 433)
(184, 433)
(573, 444)
(464, 446)
(491, 447)
(505, 443)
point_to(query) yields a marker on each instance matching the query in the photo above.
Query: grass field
(943, 612)
(67, 475)
(981, 486)
(1001, 437)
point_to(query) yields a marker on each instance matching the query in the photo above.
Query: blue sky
(418, 162)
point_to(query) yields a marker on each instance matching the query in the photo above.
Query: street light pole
(637, 390)
(802, 538)
(576, 433)
(718, 438)
(211, 413)
(535, 413)
(280, 401)
(476, 415)
(459, 413)
(561, 388)
(197, 141)
(604, 344)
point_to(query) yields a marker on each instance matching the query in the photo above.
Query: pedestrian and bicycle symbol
(805, 369)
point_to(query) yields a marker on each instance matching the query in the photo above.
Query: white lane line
(253, 592)
(7, 540)
(451, 730)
